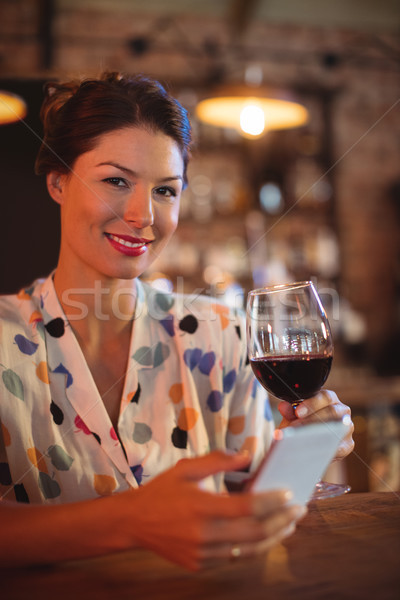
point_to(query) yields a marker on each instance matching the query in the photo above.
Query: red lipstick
(128, 245)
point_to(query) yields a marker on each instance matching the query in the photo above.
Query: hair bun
(56, 96)
(112, 76)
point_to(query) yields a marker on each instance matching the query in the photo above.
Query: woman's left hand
(325, 406)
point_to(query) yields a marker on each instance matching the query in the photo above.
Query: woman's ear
(55, 186)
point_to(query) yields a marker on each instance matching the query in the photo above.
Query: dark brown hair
(76, 113)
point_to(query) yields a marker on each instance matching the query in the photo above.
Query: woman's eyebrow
(172, 178)
(117, 166)
(134, 173)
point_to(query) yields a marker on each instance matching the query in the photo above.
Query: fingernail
(299, 512)
(301, 411)
(288, 495)
(290, 529)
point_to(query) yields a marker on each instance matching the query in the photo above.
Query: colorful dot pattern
(188, 390)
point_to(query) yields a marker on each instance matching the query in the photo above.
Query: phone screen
(298, 458)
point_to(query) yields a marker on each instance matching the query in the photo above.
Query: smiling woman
(120, 199)
(107, 384)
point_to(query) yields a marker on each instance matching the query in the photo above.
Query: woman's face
(120, 203)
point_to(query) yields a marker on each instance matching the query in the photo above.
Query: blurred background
(317, 198)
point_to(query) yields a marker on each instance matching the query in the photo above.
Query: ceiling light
(251, 110)
(12, 108)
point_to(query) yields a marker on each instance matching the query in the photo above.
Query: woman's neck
(97, 308)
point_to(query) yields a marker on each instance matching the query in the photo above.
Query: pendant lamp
(12, 108)
(251, 110)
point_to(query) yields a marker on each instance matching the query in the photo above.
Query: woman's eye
(116, 181)
(166, 191)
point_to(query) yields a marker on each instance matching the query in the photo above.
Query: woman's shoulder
(23, 306)
(10, 307)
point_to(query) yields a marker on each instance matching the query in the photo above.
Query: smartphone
(298, 458)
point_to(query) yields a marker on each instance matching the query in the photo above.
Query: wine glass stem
(296, 404)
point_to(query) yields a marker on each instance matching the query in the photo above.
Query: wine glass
(290, 348)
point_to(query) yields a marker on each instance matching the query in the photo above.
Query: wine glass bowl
(289, 340)
(290, 348)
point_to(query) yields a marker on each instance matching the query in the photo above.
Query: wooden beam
(240, 14)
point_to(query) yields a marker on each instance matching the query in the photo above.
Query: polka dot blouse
(188, 390)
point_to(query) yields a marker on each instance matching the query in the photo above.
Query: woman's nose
(139, 209)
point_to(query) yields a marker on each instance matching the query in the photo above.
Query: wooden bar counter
(346, 547)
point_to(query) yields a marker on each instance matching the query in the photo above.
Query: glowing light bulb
(12, 107)
(252, 119)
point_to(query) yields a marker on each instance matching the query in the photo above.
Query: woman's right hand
(174, 517)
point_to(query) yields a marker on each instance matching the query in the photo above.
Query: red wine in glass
(290, 347)
(292, 378)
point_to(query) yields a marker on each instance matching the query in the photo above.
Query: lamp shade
(12, 107)
(251, 110)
